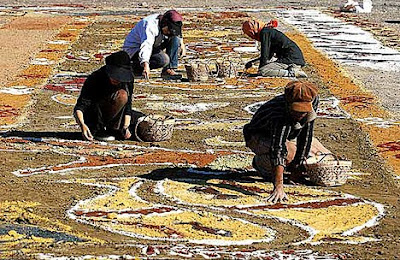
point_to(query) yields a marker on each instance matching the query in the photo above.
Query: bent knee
(165, 60)
(121, 96)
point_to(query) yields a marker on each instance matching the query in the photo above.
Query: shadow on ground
(59, 135)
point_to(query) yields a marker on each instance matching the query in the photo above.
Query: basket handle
(326, 154)
(217, 68)
(323, 157)
(140, 119)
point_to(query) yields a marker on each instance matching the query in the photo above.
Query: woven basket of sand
(327, 170)
(197, 72)
(154, 128)
(226, 69)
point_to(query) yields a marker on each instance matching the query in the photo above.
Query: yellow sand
(16, 103)
(28, 82)
(38, 70)
(206, 33)
(328, 221)
(180, 190)
(119, 200)
(300, 189)
(13, 239)
(386, 135)
(10, 211)
(54, 56)
(231, 161)
(179, 222)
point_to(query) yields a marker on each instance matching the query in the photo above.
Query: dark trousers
(108, 113)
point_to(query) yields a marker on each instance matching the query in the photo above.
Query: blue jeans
(172, 50)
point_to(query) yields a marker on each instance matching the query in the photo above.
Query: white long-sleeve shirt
(142, 37)
(366, 8)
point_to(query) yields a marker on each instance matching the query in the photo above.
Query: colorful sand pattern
(191, 210)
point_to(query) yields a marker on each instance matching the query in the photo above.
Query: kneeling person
(103, 110)
(147, 40)
(281, 134)
(274, 44)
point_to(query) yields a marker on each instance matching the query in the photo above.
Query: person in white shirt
(147, 40)
(354, 7)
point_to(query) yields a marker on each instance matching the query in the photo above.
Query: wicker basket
(197, 72)
(154, 128)
(226, 69)
(327, 170)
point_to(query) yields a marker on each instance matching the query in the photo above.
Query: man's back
(276, 42)
(144, 31)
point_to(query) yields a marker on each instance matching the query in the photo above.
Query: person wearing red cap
(104, 106)
(149, 37)
(281, 134)
(280, 56)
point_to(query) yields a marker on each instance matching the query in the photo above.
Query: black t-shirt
(275, 42)
(97, 87)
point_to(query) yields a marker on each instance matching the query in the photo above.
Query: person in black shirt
(281, 135)
(274, 45)
(103, 109)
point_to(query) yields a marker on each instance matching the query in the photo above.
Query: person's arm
(278, 194)
(266, 55)
(278, 154)
(86, 134)
(128, 112)
(125, 128)
(249, 64)
(84, 101)
(147, 35)
(304, 141)
(128, 107)
(303, 147)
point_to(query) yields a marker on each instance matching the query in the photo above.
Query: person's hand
(277, 195)
(86, 134)
(127, 134)
(248, 65)
(146, 70)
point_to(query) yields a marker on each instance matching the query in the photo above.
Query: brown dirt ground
(21, 38)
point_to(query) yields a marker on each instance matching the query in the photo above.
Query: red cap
(173, 16)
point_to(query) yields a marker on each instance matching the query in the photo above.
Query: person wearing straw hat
(149, 37)
(104, 107)
(280, 56)
(281, 135)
